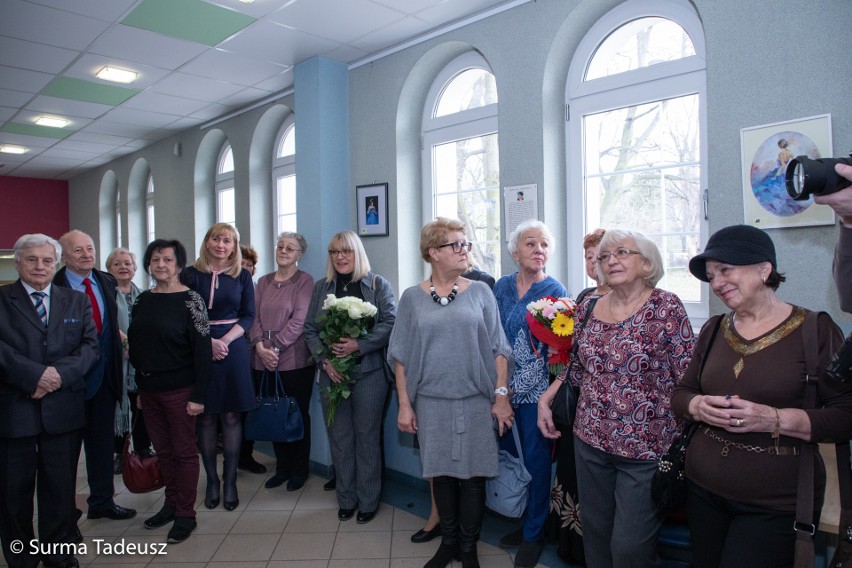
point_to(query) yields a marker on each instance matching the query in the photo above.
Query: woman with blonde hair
(355, 433)
(228, 293)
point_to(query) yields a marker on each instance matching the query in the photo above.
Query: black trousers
(44, 462)
(98, 436)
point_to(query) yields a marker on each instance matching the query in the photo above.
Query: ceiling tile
(83, 136)
(67, 107)
(158, 102)
(352, 19)
(38, 57)
(149, 48)
(107, 10)
(34, 130)
(71, 152)
(255, 9)
(202, 88)
(41, 24)
(6, 113)
(27, 116)
(385, 37)
(211, 111)
(267, 41)
(86, 67)
(454, 10)
(244, 97)
(140, 117)
(409, 6)
(23, 80)
(89, 147)
(17, 99)
(180, 20)
(79, 90)
(280, 82)
(102, 126)
(216, 64)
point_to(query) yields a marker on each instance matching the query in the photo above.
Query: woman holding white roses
(450, 357)
(354, 433)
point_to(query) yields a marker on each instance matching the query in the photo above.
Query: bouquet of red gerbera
(551, 321)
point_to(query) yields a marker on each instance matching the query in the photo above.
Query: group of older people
(199, 341)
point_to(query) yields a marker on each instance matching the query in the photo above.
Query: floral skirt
(563, 523)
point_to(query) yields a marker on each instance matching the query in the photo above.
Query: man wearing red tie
(104, 382)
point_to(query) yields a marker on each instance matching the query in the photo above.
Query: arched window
(118, 242)
(461, 168)
(636, 97)
(284, 176)
(226, 210)
(149, 209)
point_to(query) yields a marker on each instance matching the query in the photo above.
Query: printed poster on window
(520, 203)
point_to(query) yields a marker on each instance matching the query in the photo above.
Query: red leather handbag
(141, 474)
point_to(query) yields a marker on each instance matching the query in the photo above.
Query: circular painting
(768, 167)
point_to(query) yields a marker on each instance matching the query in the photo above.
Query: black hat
(738, 245)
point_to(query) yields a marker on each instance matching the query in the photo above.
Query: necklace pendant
(444, 301)
(738, 368)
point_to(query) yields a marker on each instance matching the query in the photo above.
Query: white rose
(330, 302)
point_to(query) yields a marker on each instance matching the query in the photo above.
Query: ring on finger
(739, 421)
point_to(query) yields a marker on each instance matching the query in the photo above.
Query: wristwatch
(502, 391)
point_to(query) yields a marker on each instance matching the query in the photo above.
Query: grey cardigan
(375, 290)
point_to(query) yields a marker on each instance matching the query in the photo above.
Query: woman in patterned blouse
(631, 353)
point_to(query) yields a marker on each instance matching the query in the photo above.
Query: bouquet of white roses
(342, 317)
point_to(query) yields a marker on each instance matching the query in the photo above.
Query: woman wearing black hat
(748, 394)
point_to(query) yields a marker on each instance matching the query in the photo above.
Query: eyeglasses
(618, 253)
(458, 246)
(342, 252)
(292, 250)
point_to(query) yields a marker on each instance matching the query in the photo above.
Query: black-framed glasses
(618, 253)
(341, 252)
(458, 246)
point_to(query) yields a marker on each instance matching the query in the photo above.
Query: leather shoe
(330, 485)
(276, 480)
(425, 536)
(163, 517)
(528, 553)
(211, 496)
(69, 562)
(345, 514)
(365, 517)
(231, 505)
(295, 484)
(181, 530)
(251, 465)
(513, 539)
(115, 512)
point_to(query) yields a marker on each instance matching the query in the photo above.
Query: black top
(169, 340)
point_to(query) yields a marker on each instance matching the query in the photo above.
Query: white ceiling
(182, 83)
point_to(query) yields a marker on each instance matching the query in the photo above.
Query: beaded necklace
(443, 300)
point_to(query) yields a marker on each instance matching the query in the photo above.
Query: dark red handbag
(141, 473)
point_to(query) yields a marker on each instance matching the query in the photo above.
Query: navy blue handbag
(277, 417)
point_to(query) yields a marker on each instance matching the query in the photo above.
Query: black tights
(232, 435)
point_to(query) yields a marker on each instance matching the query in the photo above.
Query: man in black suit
(104, 382)
(48, 342)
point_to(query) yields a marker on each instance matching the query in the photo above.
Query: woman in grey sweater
(451, 360)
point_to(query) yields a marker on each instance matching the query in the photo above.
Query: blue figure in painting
(372, 212)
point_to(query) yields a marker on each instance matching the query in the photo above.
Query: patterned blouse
(531, 377)
(626, 373)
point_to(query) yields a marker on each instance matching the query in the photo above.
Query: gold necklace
(632, 308)
(745, 349)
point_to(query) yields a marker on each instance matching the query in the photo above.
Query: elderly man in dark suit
(105, 381)
(48, 342)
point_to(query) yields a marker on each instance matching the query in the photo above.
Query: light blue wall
(766, 62)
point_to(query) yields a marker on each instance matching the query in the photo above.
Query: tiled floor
(276, 529)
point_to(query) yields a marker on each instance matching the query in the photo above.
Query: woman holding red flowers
(530, 244)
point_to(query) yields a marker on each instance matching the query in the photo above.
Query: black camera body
(806, 177)
(840, 366)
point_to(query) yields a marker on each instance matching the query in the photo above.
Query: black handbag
(668, 486)
(277, 417)
(564, 405)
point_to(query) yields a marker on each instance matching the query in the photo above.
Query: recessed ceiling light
(52, 122)
(247, 1)
(116, 75)
(9, 149)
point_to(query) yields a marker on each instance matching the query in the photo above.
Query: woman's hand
(220, 349)
(269, 357)
(545, 422)
(747, 416)
(345, 347)
(502, 411)
(194, 409)
(332, 374)
(406, 420)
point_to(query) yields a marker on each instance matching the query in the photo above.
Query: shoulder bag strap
(592, 302)
(804, 525)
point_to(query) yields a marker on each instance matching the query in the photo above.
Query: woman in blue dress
(228, 293)
(530, 244)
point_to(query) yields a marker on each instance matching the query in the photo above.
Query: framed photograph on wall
(371, 202)
(766, 151)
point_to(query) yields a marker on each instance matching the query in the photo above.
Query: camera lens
(805, 177)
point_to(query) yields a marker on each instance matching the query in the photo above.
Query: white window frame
(282, 166)
(118, 242)
(224, 183)
(471, 123)
(150, 211)
(666, 80)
